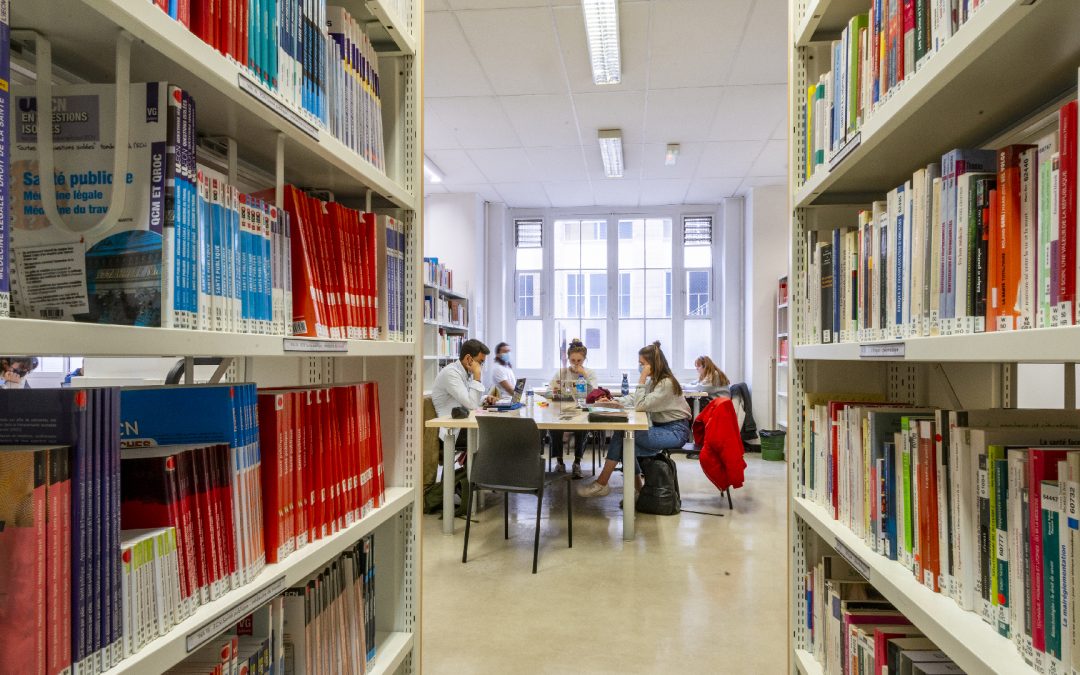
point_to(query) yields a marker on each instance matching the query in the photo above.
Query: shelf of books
(267, 227)
(446, 318)
(934, 248)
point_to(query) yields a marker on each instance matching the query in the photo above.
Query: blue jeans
(650, 442)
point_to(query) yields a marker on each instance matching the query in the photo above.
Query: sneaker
(560, 467)
(594, 489)
(576, 473)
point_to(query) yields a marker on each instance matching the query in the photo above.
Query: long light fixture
(432, 172)
(602, 32)
(611, 152)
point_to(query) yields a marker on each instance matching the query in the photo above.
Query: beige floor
(709, 592)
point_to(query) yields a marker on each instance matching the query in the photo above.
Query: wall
(454, 232)
(733, 212)
(766, 255)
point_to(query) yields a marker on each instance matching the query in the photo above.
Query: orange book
(928, 505)
(1010, 237)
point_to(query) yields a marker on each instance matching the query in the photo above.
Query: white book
(1027, 298)
(936, 258)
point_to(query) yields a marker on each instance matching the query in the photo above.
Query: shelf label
(270, 101)
(887, 350)
(853, 559)
(314, 345)
(231, 616)
(843, 153)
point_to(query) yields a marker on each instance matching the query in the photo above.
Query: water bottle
(529, 402)
(625, 385)
(581, 390)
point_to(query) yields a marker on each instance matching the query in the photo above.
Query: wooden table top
(553, 416)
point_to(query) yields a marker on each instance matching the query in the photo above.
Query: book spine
(1001, 538)
(5, 157)
(1067, 126)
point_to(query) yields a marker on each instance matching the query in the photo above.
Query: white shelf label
(232, 615)
(853, 559)
(843, 153)
(270, 101)
(887, 350)
(314, 345)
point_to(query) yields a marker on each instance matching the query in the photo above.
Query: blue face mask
(640, 367)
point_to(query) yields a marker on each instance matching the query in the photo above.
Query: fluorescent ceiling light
(672, 154)
(432, 172)
(602, 32)
(611, 152)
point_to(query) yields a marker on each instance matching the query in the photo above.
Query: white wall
(732, 288)
(766, 249)
(454, 232)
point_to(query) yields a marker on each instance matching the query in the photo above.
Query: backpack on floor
(660, 494)
(433, 494)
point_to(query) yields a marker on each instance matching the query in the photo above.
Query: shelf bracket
(279, 172)
(1070, 385)
(185, 368)
(954, 400)
(367, 201)
(46, 165)
(232, 160)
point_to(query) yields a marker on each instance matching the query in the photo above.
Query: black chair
(692, 450)
(508, 460)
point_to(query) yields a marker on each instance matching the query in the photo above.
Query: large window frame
(678, 300)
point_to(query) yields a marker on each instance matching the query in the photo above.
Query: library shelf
(806, 663)
(84, 33)
(202, 626)
(967, 92)
(447, 326)
(825, 19)
(391, 27)
(446, 292)
(48, 338)
(390, 651)
(963, 635)
(1038, 345)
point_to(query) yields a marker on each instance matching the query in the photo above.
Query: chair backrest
(508, 452)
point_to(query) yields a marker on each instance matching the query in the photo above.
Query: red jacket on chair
(716, 432)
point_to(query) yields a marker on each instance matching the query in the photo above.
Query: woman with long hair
(711, 379)
(576, 353)
(660, 395)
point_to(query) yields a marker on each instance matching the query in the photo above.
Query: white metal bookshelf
(434, 330)
(973, 92)
(271, 135)
(781, 355)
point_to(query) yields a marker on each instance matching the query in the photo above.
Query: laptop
(515, 400)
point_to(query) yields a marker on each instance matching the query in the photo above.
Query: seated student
(576, 354)
(659, 394)
(711, 379)
(501, 373)
(458, 384)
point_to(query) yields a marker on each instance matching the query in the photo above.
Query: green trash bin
(772, 444)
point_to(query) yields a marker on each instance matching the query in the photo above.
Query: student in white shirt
(501, 373)
(576, 354)
(458, 384)
(660, 395)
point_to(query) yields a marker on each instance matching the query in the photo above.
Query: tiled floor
(709, 592)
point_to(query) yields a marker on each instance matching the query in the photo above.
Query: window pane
(698, 293)
(659, 330)
(658, 294)
(528, 350)
(657, 243)
(631, 339)
(632, 294)
(528, 296)
(530, 258)
(597, 295)
(569, 294)
(697, 256)
(593, 243)
(567, 244)
(631, 244)
(592, 332)
(697, 341)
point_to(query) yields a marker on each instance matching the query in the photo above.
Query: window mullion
(612, 364)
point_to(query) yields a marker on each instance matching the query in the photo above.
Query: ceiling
(511, 112)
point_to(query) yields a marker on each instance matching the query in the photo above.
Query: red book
(308, 315)
(208, 548)
(307, 459)
(1009, 238)
(376, 436)
(881, 643)
(366, 454)
(1042, 465)
(1067, 217)
(318, 456)
(909, 30)
(371, 239)
(58, 593)
(271, 431)
(193, 524)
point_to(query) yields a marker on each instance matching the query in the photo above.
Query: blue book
(899, 290)
(954, 164)
(888, 492)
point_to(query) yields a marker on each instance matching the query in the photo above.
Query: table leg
(697, 407)
(629, 478)
(448, 483)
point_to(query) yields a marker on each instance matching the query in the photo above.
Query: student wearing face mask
(576, 354)
(501, 374)
(458, 384)
(659, 394)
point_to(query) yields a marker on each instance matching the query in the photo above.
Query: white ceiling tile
(632, 153)
(494, 4)
(558, 164)
(478, 122)
(611, 110)
(729, 159)
(751, 182)
(437, 134)
(517, 49)
(710, 190)
(456, 166)
(504, 165)
(633, 46)
(542, 121)
(772, 161)
(780, 133)
(661, 192)
(653, 155)
(450, 69)
(680, 115)
(523, 195)
(569, 193)
(749, 113)
(434, 188)
(693, 43)
(762, 56)
(617, 192)
(486, 191)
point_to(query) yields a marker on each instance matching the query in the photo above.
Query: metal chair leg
(468, 522)
(729, 504)
(569, 516)
(506, 515)
(536, 539)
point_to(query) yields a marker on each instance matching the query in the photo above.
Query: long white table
(555, 417)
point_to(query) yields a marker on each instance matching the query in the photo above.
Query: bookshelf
(781, 355)
(437, 333)
(265, 132)
(974, 93)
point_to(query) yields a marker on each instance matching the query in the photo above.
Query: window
(528, 304)
(697, 292)
(697, 259)
(529, 262)
(644, 260)
(580, 271)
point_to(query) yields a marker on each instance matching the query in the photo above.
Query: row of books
(984, 241)
(853, 630)
(325, 625)
(438, 274)
(315, 58)
(876, 53)
(445, 310)
(448, 344)
(107, 492)
(311, 437)
(980, 505)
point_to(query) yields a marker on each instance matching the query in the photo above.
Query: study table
(696, 397)
(554, 417)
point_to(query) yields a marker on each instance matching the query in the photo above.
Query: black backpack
(660, 494)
